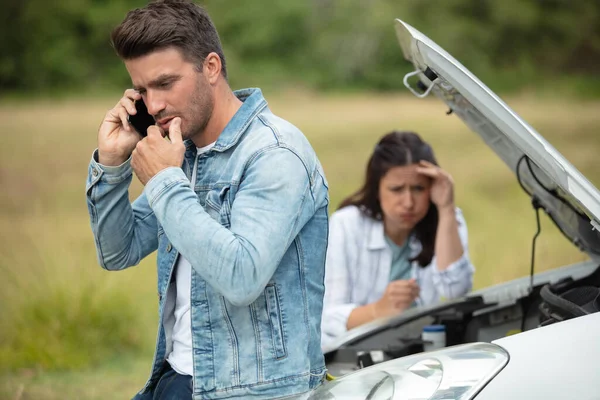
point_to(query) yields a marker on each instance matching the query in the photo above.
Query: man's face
(173, 87)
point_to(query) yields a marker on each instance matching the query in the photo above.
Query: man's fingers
(132, 94)
(134, 158)
(175, 130)
(128, 105)
(124, 118)
(112, 115)
(154, 130)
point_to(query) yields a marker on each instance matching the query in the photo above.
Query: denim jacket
(254, 226)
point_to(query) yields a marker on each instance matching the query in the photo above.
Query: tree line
(321, 44)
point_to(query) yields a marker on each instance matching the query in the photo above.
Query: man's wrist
(109, 160)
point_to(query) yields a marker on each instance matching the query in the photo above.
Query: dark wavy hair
(164, 23)
(397, 149)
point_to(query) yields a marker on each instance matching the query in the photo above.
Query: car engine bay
(472, 319)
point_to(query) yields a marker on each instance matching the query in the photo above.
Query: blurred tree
(320, 43)
(62, 44)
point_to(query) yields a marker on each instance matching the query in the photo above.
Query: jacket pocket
(275, 322)
(218, 205)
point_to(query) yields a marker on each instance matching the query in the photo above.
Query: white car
(531, 338)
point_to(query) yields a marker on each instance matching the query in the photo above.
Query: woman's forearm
(361, 315)
(448, 246)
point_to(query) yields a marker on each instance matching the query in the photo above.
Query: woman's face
(404, 197)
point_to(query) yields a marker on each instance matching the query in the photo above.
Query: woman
(397, 242)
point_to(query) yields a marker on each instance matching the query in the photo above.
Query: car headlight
(457, 372)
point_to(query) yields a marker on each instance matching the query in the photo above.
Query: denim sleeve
(124, 233)
(337, 304)
(274, 201)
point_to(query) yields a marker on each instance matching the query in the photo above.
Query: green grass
(118, 377)
(69, 329)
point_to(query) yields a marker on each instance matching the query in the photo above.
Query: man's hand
(116, 137)
(399, 296)
(155, 153)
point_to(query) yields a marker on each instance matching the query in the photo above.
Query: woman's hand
(448, 246)
(442, 185)
(398, 296)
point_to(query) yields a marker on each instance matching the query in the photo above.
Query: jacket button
(169, 247)
(94, 172)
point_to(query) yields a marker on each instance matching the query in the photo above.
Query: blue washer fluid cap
(434, 328)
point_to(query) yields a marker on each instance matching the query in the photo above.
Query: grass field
(69, 330)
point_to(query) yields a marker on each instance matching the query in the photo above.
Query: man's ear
(212, 67)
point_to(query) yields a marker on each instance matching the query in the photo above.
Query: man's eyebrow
(158, 81)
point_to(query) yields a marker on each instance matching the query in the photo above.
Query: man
(235, 201)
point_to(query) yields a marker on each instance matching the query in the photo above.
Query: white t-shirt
(181, 358)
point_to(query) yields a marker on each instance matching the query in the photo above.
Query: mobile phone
(142, 120)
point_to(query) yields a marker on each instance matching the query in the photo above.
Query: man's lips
(164, 122)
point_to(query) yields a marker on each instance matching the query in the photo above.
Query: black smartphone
(142, 120)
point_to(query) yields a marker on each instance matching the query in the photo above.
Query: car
(533, 337)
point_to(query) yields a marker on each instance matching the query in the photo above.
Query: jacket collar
(376, 238)
(253, 103)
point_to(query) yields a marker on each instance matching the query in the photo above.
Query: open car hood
(554, 184)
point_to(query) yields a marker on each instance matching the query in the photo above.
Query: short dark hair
(397, 149)
(168, 23)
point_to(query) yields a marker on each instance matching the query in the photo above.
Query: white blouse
(358, 264)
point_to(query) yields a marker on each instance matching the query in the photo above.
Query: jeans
(171, 386)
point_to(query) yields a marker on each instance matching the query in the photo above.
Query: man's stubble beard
(200, 110)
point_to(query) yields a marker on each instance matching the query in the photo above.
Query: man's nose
(154, 103)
